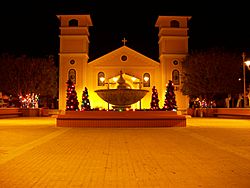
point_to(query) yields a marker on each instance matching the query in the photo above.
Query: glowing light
(146, 78)
(29, 101)
(247, 64)
(102, 79)
(115, 79)
(133, 79)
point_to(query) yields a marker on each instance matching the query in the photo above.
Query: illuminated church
(138, 70)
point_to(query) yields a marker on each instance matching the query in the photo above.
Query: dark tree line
(22, 75)
(213, 72)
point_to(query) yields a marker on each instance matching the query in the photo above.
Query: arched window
(72, 75)
(176, 77)
(100, 75)
(146, 80)
(174, 23)
(73, 23)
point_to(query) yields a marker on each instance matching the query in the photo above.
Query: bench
(232, 113)
(3, 104)
(10, 112)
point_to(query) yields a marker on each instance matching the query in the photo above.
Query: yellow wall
(74, 45)
(173, 46)
(97, 102)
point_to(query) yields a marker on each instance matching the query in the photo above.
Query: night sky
(33, 28)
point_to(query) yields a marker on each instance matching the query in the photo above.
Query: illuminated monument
(103, 72)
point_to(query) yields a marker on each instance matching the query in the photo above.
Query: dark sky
(33, 28)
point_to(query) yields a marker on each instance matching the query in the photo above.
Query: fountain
(122, 97)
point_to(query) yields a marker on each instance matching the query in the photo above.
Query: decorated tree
(71, 100)
(85, 100)
(170, 102)
(154, 100)
(29, 100)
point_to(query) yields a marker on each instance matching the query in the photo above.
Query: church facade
(102, 73)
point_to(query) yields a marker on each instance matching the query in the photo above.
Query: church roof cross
(124, 41)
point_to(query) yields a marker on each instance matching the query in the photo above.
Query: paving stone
(209, 152)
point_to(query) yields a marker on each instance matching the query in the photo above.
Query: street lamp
(140, 83)
(245, 63)
(102, 79)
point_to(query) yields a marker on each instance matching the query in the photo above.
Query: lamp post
(244, 64)
(244, 79)
(102, 79)
(140, 84)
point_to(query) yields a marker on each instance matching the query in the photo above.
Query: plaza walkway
(208, 153)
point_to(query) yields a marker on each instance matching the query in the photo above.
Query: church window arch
(72, 75)
(73, 23)
(99, 76)
(176, 77)
(175, 23)
(146, 80)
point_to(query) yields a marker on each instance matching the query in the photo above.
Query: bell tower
(73, 53)
(173, 47)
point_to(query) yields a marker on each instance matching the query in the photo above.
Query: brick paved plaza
(207, 153)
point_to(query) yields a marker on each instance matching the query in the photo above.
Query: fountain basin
(121, 97)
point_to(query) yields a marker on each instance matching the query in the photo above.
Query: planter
(45, 111)
(31, 112)
(190, 111)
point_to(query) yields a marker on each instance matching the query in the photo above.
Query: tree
(85, 100)
(71, 100)
(170, 102)
(211, 73)
(154, 100)
(24, 75)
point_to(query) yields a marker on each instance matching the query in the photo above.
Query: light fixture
(146, 79)
(115, 79)
(102, 79)
(248, 64)
(245, 63)
(133, 79)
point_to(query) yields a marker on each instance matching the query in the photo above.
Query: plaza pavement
(207, 153)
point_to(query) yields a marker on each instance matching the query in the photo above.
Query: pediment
(124, 56)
